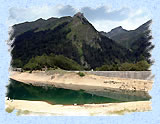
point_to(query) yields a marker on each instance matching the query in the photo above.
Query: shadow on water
(52, 95)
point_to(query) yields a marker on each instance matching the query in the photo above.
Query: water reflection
(52, 95)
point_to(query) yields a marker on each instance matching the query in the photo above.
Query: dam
(142, 75)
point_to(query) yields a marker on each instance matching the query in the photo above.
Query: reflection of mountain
(53, 95)
(125, 37)
(76, 38)
(21, 91)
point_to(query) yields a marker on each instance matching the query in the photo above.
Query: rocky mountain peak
(144, 27)
(117, 29)
(79, 14)
(81, 17)
(40, 19)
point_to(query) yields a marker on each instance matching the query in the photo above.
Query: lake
(20, 91)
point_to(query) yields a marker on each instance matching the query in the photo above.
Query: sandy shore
(24, 107)
(73, 81)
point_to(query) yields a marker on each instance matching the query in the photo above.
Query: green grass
(56, 71)
(122, 112)
(9, 109)
(23, 112)
(81, 74)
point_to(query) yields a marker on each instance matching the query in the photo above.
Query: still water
(53, 95)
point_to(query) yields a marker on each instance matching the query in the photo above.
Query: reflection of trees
(18, 90)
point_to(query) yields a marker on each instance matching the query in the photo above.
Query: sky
(103, 18)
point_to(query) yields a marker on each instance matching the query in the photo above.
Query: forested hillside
(73, 41)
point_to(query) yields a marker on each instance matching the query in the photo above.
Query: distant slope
(125, 37)
(26, 26)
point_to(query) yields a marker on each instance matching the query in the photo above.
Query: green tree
(31, 66)
(52, 61)
(126, 66)
(17, 63)
(142, 65)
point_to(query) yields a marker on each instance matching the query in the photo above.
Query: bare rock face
(79, 15)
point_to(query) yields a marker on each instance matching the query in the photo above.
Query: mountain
(39, 24)
(126, 38)
(72, 37)
(115, 33)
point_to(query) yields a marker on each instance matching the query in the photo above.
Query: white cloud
(19, 15)
(103, 17)
(133, 21)
(103, 13)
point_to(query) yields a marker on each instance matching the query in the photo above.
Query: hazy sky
(103, 18)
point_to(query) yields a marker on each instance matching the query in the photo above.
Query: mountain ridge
(73, 37)
(124, 37)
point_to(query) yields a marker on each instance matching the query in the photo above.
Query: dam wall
(143, 75)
